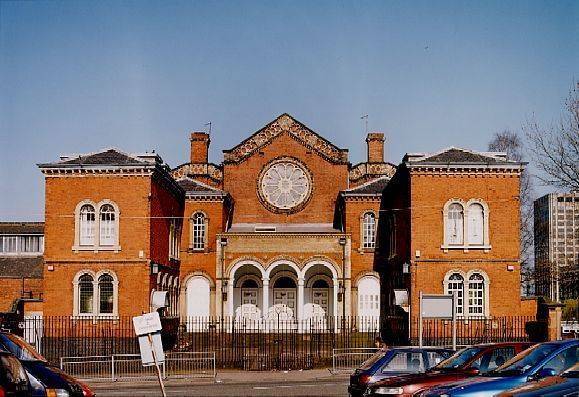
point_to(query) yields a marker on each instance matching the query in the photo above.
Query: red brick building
(284, 225)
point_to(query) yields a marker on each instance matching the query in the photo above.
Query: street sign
(147, 347)
(437, 306)
(148, 323)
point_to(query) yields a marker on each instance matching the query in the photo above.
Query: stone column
(348, 278)
(230, 307)
(218, 283)
(265, 297)
(300, 305)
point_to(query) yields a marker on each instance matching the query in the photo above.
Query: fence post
(214, 368)
(113, 368)
(61, 364)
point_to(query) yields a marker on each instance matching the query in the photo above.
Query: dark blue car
(566, 384)
(540, 361)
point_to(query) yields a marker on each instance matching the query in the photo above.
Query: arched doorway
(369, 303)
(198, 291)
(285, 292)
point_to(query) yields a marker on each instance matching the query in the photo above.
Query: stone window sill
(95, 317)
(96, 248)
(466, 248)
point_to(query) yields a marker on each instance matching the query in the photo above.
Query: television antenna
(365, 118)
(208, 124)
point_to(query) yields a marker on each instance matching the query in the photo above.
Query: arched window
(475, 224)
(106, 294)
(456, 284)
(198, 231)
(454, 224)
(87, 225)
(85, 294)
(476, 295)
(107, 232)
(369, 230)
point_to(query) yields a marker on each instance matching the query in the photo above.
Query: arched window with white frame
(86, 294)
(455, 284)
(476, 295)
(95, 294)
(475, 226)
(106, 294)
(199, 231)
(87, 221)
(107, 225)
(454, 224)
(369, 230)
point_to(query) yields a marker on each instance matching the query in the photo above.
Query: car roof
(499, 344)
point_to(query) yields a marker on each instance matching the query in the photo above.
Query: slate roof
(454, 155)
(194, 187)
(375, 186)
(19, 267)
(21, 227)
(109, 156)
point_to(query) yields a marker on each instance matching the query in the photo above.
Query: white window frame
(18, 244)
(97, 245)
(174, 238)
(367, 234)
(195, 228)
(466, 245)
(467, 292)
(95, 314)
(450, 286)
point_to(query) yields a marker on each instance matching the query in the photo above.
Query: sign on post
(437, 306)
(148, 329)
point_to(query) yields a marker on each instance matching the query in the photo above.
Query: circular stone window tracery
(284, 185)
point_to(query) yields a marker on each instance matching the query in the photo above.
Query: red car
(465, 363)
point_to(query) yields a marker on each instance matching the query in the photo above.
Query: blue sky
(80, 76)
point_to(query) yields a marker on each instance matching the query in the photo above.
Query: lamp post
(343, 242)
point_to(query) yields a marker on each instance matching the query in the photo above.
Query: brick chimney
(375, 141)
(199, 147)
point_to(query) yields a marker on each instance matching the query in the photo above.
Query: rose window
(285, 185)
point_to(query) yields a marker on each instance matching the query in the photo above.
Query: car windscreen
(405, 361)
(11, 370)
(369, 363)
(458, 359)
(525, 360)
(20, 348)
(572, 372)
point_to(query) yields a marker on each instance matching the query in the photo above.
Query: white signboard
(147, 348)
(148, 323)
(437, 306)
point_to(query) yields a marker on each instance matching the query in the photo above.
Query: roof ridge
(368, 183)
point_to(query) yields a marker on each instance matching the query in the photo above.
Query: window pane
(107, 225)
(475, 224)
(476, 295)
(30, 244)
(456, 284)
(369, 230)
(454, 224)
(106, 294)
(87, 225)
(198, 231)
(86, 293)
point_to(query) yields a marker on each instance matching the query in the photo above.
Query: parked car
(46, 380)
(566, 384)
(540, 361)
(465, 363)
(394, 362)
(13, 379)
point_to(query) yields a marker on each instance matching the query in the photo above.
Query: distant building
(557, 245)
(21, 249)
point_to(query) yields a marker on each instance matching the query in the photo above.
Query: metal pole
(454, 320)
(157, 366)
(420, 319)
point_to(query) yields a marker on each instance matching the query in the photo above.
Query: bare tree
(511, 143)
(556, 148)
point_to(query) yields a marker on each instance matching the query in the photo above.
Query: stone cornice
(462, 168)
(283, 235)
(296, 130)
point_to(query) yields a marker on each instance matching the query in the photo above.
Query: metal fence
(346, 360)
(257, 344)
(129, 366)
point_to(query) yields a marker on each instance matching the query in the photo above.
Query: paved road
(336, 387)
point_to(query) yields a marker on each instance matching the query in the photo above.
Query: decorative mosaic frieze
(298, 131)
(362, 170)
(209, 170)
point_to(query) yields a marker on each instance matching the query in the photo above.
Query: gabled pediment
(296, 130)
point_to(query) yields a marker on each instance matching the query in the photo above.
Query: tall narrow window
(85, 294)
(174, 238)
(107, 225)
(106, 294)
(87, 225)
(198, 231)
(454, 224)
(456, 284)
(369, 230)
(476, 295)
(475, 224)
